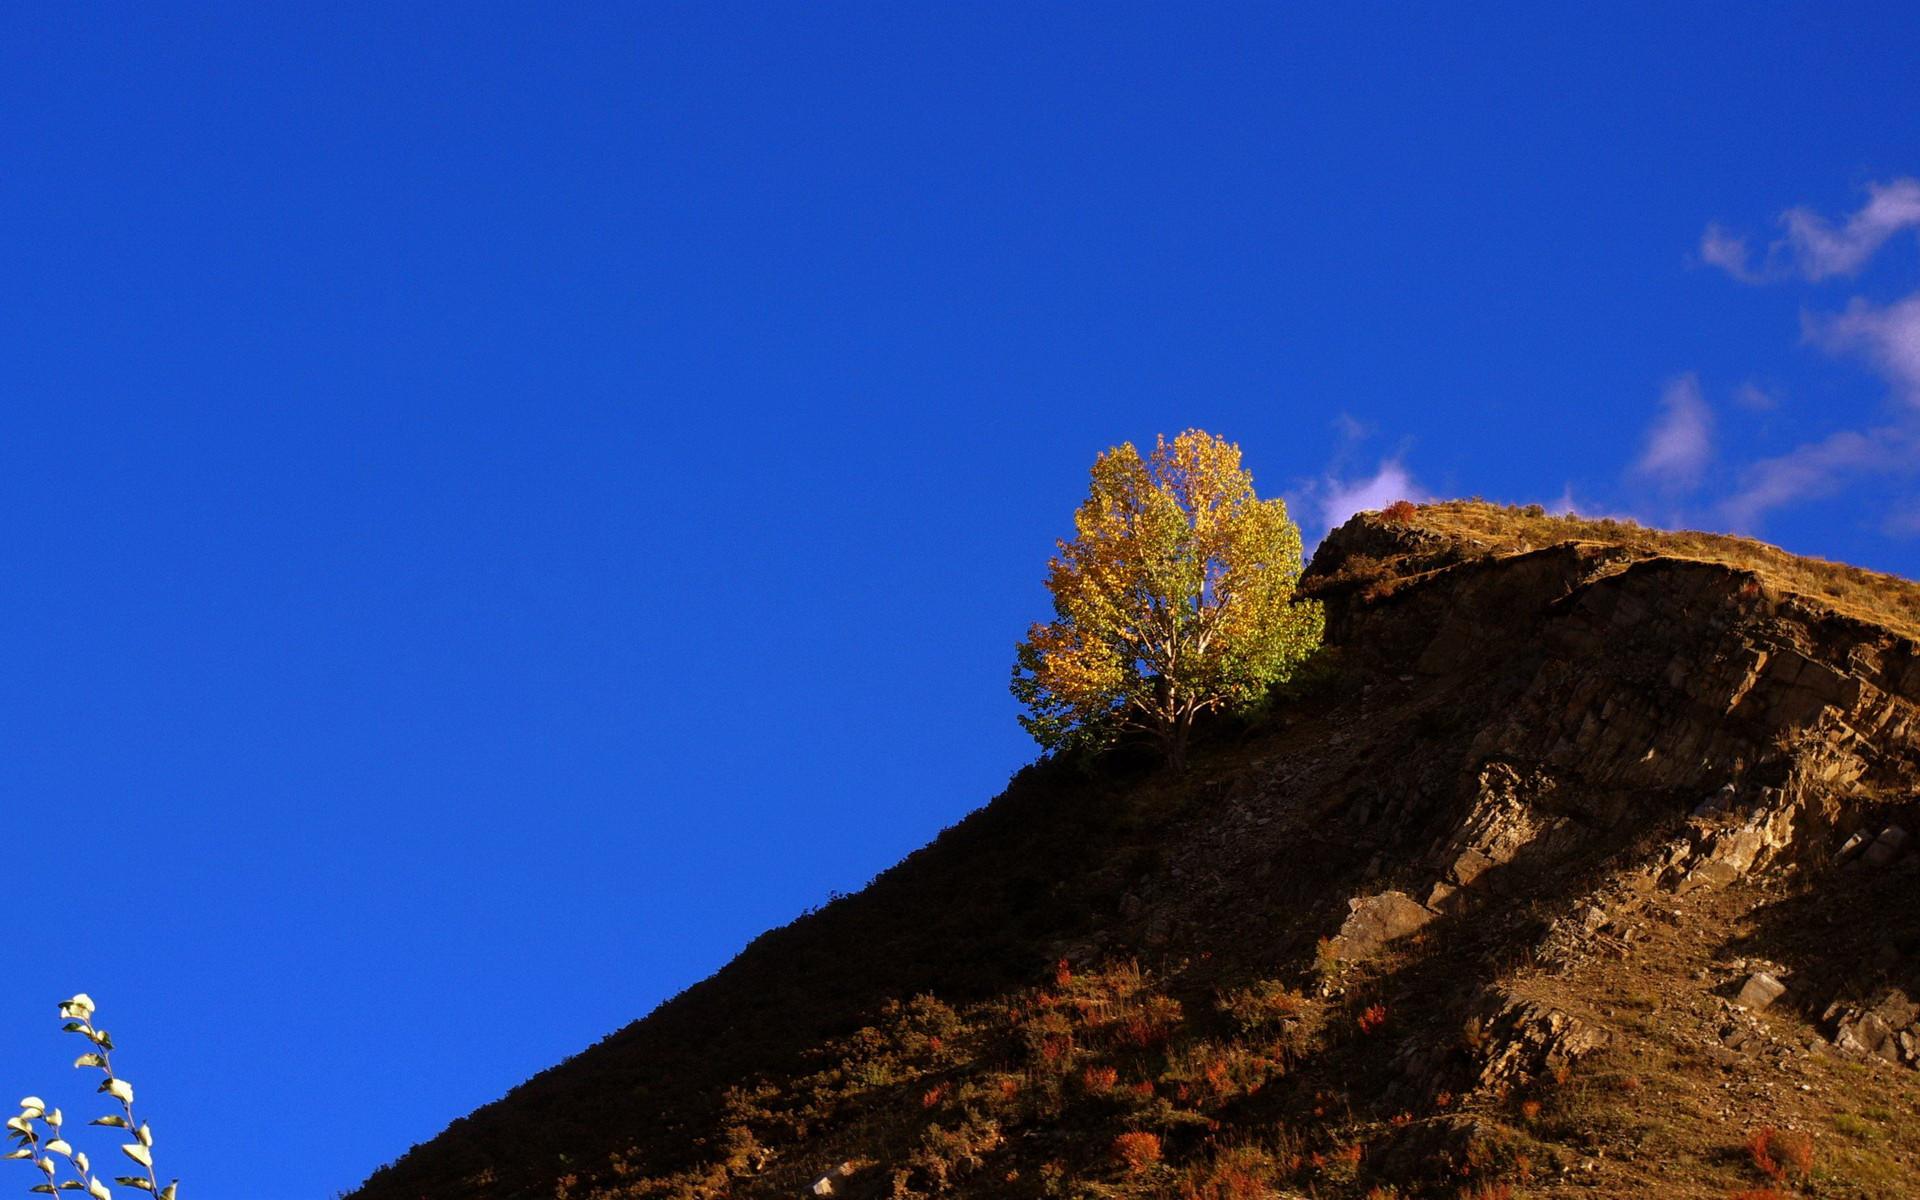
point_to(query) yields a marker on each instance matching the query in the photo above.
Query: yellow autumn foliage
(1174, 597)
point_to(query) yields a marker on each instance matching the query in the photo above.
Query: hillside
(1576, 866)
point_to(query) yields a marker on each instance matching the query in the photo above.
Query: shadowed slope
(1462, 908)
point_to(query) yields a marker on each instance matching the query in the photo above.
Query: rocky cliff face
(1582, 863)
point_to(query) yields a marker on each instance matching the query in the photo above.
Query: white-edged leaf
(138, 1153)
(22, 1152)
(118, 1122)
(168, 1192)
(98, 1190)
(80, 1161)
(90, 1059)
(32, 1106)
(133, 1181)
(119, 1089)
(20, 1124)
(59, 1146)
(81, 1001)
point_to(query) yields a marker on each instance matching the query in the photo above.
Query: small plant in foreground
(1136, 1151)
(38, 1131)
(1327, 963)
(1373, 1018)
(1098, 1081)
(1780, 1154)
(1265, 1004)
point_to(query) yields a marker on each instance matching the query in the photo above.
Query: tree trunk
(1177, 743)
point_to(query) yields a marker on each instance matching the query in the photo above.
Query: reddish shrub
(1529, 1110)
(1780, 1154)
(1233, 1173)
(1228, 1183)
(1399, 512)
(933, 1095)
(1136, 1151)
(1488, 1191)
(1373, 1018)
(1099, 1080)
(1219, 1081)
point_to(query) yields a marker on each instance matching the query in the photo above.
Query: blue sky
(504, 504)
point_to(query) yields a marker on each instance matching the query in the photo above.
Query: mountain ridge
(1547, 773)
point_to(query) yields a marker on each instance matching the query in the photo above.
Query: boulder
(1525, 1038)
(1376, 920)
(823, 1186)
(1886, 1030)
(1886, 847)
(1760, 990)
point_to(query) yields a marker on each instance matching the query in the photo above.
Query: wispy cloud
(1680, 444)
(1814, 248)
(1336, 499)
(1904, 520)
(1888, 336)
(1821, 249)
(1730, 252)
(1567, 504)
(1817, 469)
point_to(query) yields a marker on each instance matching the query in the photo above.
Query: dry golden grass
(1887, 600)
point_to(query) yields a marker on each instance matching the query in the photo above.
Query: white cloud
(1681, 440)
(1815, 248)
(1887, 336)
(1729, 252)
(1819, 249)
(1339, 499)
(1567, 504)
(1816, 469)
(1752, 396)
(1351, 428)
(1904, 521)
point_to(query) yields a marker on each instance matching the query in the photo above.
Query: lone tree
(1175, 597)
